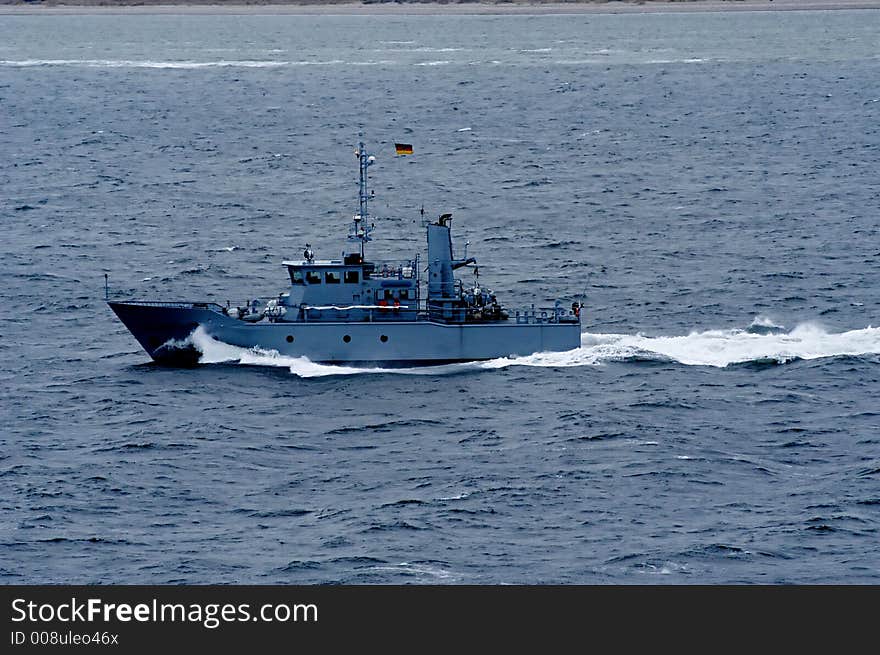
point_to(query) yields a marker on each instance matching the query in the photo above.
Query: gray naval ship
(357, 312)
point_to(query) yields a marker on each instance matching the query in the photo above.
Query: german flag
(403, 148)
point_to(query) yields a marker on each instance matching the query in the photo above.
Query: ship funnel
(441, 282)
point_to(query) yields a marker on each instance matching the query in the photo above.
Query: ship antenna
(360, 228)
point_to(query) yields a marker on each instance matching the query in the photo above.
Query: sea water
(706, 184)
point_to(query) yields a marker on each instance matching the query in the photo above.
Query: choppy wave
(764, 325)
(716, 348)
(762, 321)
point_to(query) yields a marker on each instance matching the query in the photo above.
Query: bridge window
(313, 277)
(332, 277)
(351, 277)
(296, 276)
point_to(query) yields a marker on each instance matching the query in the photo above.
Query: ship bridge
(351, 289)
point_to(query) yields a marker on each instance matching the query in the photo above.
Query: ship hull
(163, 330)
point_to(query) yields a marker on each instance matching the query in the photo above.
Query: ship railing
(180, 304)
(445, 313)
(395, 270)
(369, 313)
(532, 315)
(365, 313)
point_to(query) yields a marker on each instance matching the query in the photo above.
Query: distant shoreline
(312, 7)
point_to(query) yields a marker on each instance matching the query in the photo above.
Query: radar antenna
(360, 227)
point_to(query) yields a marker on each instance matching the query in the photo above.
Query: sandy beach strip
(431, 8)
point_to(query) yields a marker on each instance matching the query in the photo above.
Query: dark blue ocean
(707, 183)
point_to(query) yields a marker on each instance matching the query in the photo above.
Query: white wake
(718, 348)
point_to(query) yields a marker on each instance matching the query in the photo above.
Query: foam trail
(718, 348)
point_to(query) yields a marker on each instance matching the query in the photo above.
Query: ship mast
(360, 227)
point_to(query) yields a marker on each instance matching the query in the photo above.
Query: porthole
(289, 338)
(346, 338)
(383, 338)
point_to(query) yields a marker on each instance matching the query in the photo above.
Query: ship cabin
(352, 289)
